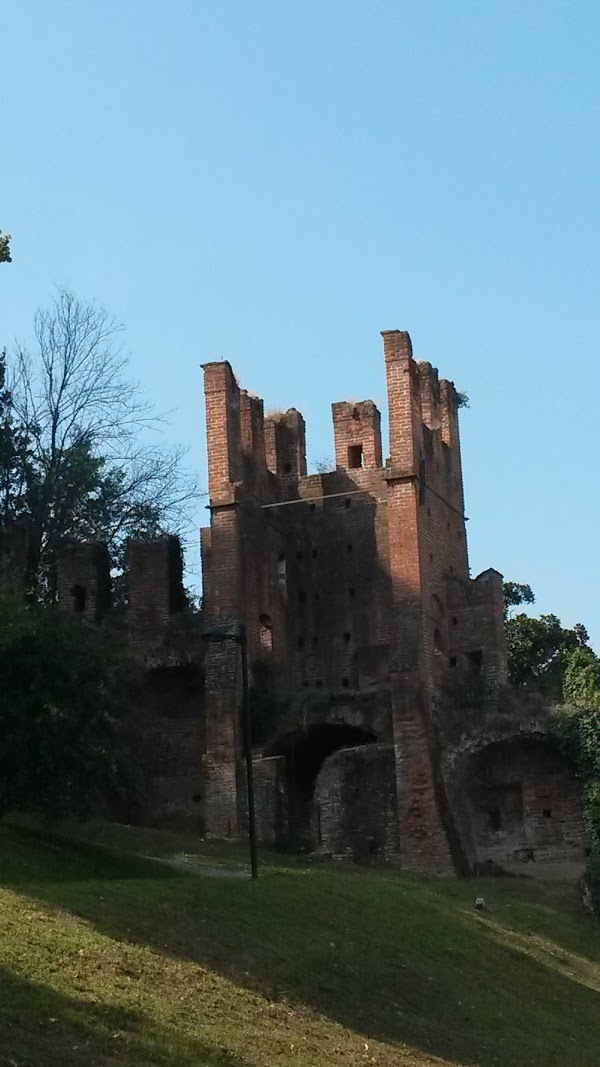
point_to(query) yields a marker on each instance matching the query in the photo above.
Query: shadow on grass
(42, 1028)
(395, 959)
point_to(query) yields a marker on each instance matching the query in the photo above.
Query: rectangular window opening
(355, 456)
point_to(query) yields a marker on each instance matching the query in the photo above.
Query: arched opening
(523, 804)
(78, 599)
(305, 752)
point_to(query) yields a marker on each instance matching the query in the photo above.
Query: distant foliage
(559, 663)
(80, 451)
(64, 690)
(5, 256)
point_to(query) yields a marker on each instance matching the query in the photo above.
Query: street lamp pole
(241, 639)
(247, 724)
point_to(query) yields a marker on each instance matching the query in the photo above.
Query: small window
(348, 548)
(476, 660)
(300, 642)
(299, 555)
(454, 620)
(314, 553)
(352, 592)
(266, 633)
(78, 599)
(452, 661)
(315, 642)
(347, 637)
(319, 683)
(355, 456)
(301, 597)
(287, 468)
(547, 813)
(317, 596)
(347, 502)
(345, 683)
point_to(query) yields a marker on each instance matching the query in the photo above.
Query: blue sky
(275, 181)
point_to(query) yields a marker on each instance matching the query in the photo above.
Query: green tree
(5, 256)
(538, 648)
(65, 688)
(88, 459)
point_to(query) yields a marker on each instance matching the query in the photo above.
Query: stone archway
(305, 752)
(519, 803)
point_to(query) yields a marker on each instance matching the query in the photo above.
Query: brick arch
(305, 751)
(518, 802)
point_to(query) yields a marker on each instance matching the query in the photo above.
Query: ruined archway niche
(522, 805)
(306, 752)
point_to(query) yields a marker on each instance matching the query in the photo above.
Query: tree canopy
(82, 453)
(64, 694)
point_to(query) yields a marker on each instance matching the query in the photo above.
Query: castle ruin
(383, 724)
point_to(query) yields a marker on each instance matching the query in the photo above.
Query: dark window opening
(452, 661)
(314, 553)
(300, 642)
(305, 684)
(454, 620)
(355, 456)
(299, 555)
(78, 599)
(438, 641)
(547, 813)
(348, 548)
(313, 507)
(351, 592)
(347, 637)
(495, 819)
(315, 641)
(347, 503)
(476, 660)
(301, 596)
(196, 798)
(431, 557)
(317, 596)
(345, 683)
(287, 468)
(319, 683)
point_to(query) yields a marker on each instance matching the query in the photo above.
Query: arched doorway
(305, 752)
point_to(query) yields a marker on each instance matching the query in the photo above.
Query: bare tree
(99, 465)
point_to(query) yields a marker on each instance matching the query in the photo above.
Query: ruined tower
(354, 588)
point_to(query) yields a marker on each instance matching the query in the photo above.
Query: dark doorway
(305, 752)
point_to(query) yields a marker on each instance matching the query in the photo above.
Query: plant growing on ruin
(92, 463)
(5, 256)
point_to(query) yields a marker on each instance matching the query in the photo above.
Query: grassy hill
(109, 958)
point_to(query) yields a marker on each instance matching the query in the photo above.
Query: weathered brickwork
(354, 587)
(393, 737)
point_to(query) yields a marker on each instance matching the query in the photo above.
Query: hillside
(109, 958)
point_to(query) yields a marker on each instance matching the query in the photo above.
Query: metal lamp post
(241, 638)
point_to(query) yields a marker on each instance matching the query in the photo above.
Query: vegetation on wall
(560, 664)
(64, 693)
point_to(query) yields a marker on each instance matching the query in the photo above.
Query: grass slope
(108, 958)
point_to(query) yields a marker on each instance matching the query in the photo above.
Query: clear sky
(275, 181)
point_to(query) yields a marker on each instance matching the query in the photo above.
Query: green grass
(109, 958)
